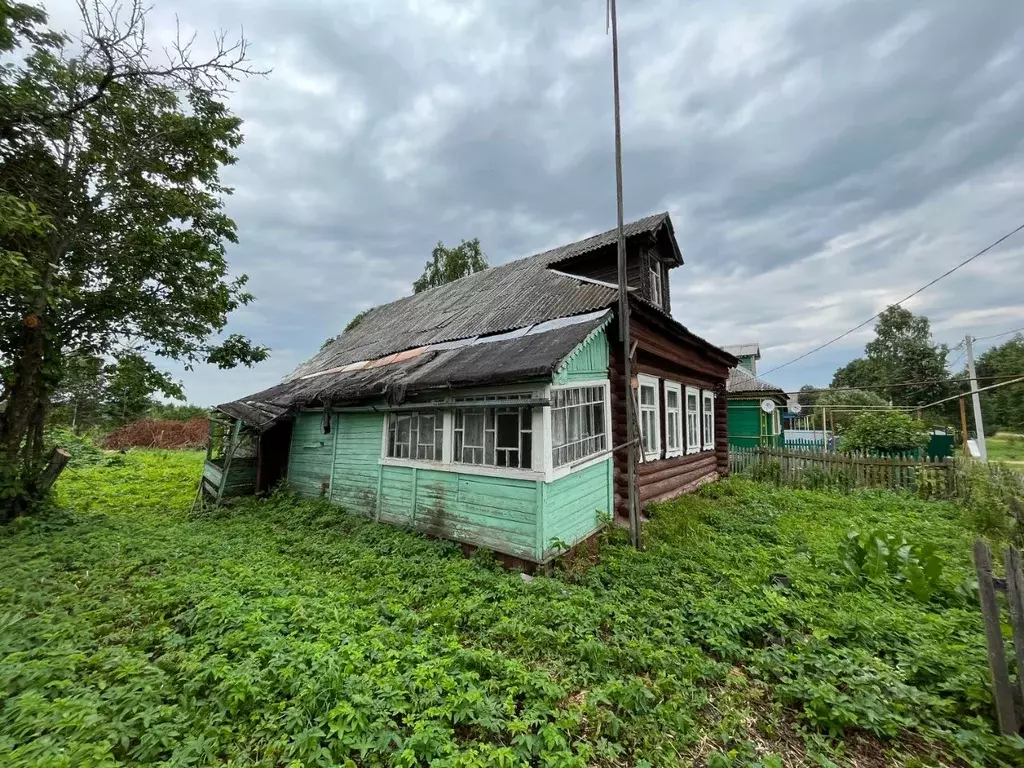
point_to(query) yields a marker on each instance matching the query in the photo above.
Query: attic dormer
(651, 252)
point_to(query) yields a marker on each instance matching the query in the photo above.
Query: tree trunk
(58, 460)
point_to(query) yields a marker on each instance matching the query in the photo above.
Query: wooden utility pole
(627, 362)
(979, 424)
(963, 427)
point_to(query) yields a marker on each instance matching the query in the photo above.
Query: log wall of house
(659, 356)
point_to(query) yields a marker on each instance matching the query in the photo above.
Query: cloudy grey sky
(819, 159)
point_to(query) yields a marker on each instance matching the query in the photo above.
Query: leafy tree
(885, 432)
(112, 221)
(78, 401)
(449, 264)
(1003, 408)
(902, 351)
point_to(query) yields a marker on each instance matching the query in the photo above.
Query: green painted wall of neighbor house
(587, 362)
(572, 503)
(745, 424)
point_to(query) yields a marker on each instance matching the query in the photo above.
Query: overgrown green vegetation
(1006, 447)
(281, 631)
(885, 432)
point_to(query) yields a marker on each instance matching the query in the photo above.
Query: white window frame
(656, 294)
(692, 445)
(708, 418)
(606, 423)
(677, 388)
(649, 381)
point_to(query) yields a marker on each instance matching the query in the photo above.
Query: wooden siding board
(589, 361)
(309, 460)
(572, 503)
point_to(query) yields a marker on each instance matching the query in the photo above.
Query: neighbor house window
(577, 424)
(501, 436)
(673, 419)
(416, 435)
(656, 284)
(709, 419)
(650, 424)
(692, 420)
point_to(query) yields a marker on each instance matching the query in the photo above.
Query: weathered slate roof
(744, 350)
(527, 353)
(503, 298)
(512, 322)
(743, 382)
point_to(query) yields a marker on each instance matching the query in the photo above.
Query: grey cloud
(819, 159)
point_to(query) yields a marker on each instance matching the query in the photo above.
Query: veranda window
(577, 424)
(650, 424)
(416, 435)
(501, 436)
(708, 412)
(673, 419)
(692, 420)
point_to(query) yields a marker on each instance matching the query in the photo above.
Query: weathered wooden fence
(1008, 714)
(813, 469)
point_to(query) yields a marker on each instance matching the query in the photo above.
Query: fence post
(1015, 597)
(1005, 713)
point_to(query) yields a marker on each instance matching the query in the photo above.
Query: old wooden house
(489, 410)
(755, 407)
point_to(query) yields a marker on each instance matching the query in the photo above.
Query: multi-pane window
(500, 436)
(650, 424)
(692, 420)
(656, 284)
(577, 424)
(708, 412)
(416, 435)
(673, 419)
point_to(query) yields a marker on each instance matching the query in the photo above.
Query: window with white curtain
(708, 412)
(415, 435)
(578, 424)
(673, 419)
(650, 424)
(692, 420)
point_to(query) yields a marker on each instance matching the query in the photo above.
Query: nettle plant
(881, 558)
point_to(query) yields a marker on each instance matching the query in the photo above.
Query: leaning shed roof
(744, 350)
(743, 382)
(519, 355)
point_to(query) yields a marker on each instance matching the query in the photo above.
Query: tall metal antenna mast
(627, 363)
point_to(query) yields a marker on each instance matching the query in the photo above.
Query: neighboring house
(486, 410)
(749, 424)
(747, 354)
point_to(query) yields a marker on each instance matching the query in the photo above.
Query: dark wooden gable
(655, 252)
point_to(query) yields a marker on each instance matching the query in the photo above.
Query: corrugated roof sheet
(744, 350)
(524, 356)
(742, 381)
(502, 298)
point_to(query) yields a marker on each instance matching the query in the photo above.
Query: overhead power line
(998, 335)
(897, 384)
(983, 389)
(924, 287)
